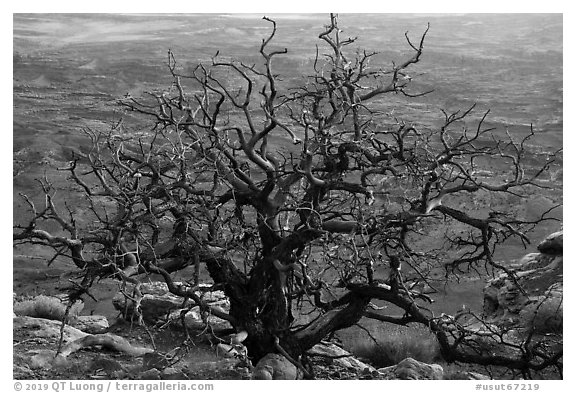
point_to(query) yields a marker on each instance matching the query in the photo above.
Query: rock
(93, 324)
(194, 321)
(476, 376)
(540, 303)
(154, 306)
(275, 367)
(413, 369)
(340, 356)
(386, 370)
(31, 327)
(171, 373)
(466, 376)
(552, 245)
(545, 312)
(530, 261)
(158, 303)
(108, 341)
(231, 351)
(47, 332)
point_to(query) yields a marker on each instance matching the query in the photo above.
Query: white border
(300, 6)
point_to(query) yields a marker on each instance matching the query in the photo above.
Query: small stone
(476, 376)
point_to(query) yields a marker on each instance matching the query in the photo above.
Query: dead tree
(304, 203)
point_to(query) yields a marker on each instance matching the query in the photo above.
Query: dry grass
(47, 307)
(398, 344)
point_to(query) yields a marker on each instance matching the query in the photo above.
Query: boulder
(413, 369)
(108, 341)
(275, 367)
(36, 341)
(158, 304)
(194, 320)
(539, 304)
(93, 324)
(340, 357)
(26, 327)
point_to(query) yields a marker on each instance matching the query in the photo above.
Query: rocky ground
(177, 345)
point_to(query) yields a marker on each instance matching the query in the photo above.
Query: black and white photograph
(207, 196)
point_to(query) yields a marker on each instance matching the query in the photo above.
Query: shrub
(47, 307)
(398, 345)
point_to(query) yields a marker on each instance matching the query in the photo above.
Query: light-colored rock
(153, 306)
(47, 331)
(46, 328)
(413, 369)
(471, 375)
(231, 351)
(386, 370)
(340, 356)
(106, 340)
(93, 324)
(539, 303)
(158, 303)
(466, 376)
(275, 367)
(193, 319)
